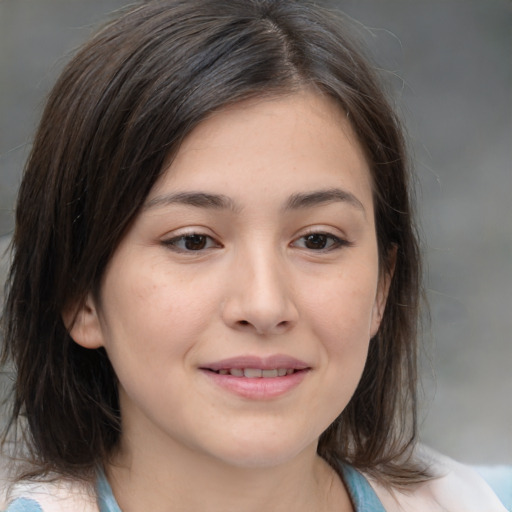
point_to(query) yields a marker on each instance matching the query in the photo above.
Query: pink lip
(257, 388)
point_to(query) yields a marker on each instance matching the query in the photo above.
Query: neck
(183, 480)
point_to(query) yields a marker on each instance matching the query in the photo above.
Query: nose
(260, 297)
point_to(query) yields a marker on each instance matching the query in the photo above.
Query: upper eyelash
(171, 242)
(341, 242)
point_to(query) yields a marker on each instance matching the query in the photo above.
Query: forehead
(298, 142)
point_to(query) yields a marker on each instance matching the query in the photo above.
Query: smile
(257, 378)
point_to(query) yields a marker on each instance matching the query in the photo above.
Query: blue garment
(361, 493)
(24, 505)
(363, 496)
(106, 500)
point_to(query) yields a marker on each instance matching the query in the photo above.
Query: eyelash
(336, 242)
(172, 243)
(202, 242)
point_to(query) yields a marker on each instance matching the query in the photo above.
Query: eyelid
(171, 241)
(340, 240)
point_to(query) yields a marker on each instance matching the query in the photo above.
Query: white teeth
(256, 373)
(253, 373)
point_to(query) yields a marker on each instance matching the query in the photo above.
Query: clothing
(363, 496)
(106, 500)
(499, 479)
(24, 505)
(66, 498)
(60, 495)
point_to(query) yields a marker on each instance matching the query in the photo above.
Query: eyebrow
(321, 197)
(197, 199)
(222, 202)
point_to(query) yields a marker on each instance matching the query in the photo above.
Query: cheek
(342, 306)
(341, 317)
(150, 317)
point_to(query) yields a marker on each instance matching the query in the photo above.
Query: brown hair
(119, 110)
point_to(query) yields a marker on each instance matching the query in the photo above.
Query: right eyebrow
(321, 197)
(197, 199)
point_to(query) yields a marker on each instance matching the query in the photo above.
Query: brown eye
(320, 242)
(195, 242)
(191, 243)
(316, 241)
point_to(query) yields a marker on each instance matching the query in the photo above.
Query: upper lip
(263, 363)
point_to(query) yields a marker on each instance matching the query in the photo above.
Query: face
(238, 309)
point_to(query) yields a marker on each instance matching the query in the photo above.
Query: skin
(280, 267)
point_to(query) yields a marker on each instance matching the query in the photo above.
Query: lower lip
(264, 388)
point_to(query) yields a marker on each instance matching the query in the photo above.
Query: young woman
(214, 290)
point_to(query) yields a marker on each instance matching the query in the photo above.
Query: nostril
(243, 322)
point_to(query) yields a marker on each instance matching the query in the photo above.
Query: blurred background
(448, 64)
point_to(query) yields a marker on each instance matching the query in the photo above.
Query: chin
(270, 451)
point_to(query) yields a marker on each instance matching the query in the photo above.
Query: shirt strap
(361, 492)
(106, 500)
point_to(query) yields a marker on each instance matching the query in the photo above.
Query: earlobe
(83, 324)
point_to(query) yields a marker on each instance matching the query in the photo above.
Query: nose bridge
(261, 297)
(262, 268)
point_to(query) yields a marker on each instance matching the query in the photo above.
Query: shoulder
(56, 496)
(456, 487)
(24, 505)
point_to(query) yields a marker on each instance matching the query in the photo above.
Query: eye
(319, 242)
(192, 242)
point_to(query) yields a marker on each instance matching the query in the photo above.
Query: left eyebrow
(322, 197)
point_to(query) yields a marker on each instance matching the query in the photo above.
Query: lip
(264, 388)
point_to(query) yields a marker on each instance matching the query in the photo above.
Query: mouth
(257, 378)
(256, 373)
(250, 367)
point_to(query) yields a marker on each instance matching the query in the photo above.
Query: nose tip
(260, 301)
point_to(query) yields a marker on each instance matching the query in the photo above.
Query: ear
(385, 278)
(83, 324)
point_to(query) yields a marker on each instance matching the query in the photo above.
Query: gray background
(449, 64)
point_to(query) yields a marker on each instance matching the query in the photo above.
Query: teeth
(252, 373)
(256, 373)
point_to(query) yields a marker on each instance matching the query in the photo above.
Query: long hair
(120, 110)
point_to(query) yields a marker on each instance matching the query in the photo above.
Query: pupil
(195, 242)
(316, 241)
